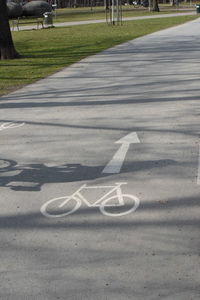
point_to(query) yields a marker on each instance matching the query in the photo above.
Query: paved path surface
(29, 27)
(146, 91)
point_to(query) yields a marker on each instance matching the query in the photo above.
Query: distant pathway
(29, 27)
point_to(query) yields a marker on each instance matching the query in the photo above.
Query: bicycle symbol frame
(102, 202)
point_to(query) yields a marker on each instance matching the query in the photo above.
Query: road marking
(10, 125)
(115, 164)
(198, 173)
(114, 203)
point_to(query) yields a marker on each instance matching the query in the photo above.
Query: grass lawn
(47, 50)
(81, 14)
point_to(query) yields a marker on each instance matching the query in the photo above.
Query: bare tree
(7, 49)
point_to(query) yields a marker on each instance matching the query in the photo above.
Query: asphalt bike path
(100, 176)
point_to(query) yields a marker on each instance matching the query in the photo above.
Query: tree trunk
(173, 2)
(155, 6)
(7, 49)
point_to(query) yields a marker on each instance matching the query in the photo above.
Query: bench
(26, 21)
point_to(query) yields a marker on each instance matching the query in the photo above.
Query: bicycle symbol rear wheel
(107, 207)
(60, 207)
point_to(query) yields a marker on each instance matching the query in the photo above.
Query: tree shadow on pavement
(25, 221)
(31, 177)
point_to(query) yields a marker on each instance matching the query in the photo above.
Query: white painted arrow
(114, 166)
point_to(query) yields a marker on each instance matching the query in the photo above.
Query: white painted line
(114, 198)
(115, 164)
(198, 173)
(10, 125)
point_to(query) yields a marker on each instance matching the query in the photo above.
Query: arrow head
(130, 138)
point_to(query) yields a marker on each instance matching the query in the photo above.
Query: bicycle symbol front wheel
(60, 207)
(109, 208)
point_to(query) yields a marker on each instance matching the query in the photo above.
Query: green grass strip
(46, 51)
(82, 14)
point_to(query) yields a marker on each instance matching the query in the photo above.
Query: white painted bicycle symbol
(122, 204)
(10, 125)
